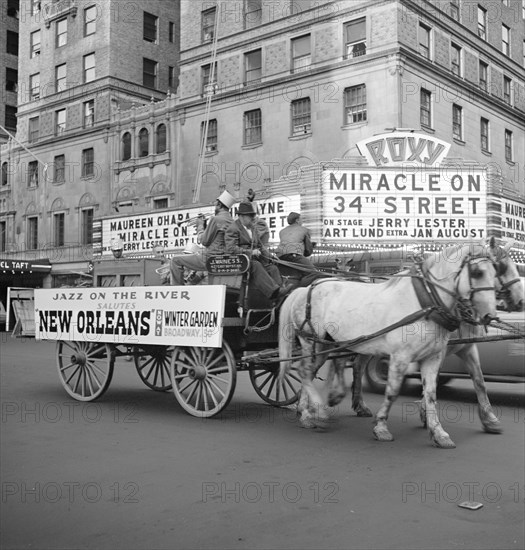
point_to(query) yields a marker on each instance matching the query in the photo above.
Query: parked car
(3, 316)
(501, 360)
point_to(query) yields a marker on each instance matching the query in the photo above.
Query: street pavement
(134, 471)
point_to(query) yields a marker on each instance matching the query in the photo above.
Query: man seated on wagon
(210, 235)
(242, 238)
(296, 246)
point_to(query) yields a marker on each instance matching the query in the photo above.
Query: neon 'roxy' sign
(404, 195)
(400, 148)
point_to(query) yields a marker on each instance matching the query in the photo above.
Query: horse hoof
(493, 427)
(364, 411)
(443, 442)
(382, 434)
(307, 423)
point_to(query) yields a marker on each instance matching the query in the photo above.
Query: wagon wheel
(203, 379)
(265, 381)
(85, 368)
(153, 365)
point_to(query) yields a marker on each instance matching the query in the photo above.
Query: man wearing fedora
(242, 238)
(210, 235)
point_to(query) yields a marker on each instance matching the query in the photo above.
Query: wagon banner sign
(409, 204)
(168, 316)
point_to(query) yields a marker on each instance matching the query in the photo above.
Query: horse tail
(286, 336)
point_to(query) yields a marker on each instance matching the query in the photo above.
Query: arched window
(143, 143)
(4, 173)
(161, 138)
(126, 146)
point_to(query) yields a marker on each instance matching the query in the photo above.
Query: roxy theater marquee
(406, 193)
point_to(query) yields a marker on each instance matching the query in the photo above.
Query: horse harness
(431, 303)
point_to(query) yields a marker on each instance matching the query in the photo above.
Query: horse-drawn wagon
(189, 339)
(194, 339)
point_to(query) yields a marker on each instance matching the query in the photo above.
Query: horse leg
(358, 403)
(311, 405)
(396, 374)
(470, 356)
(429, 374)
(337, 391)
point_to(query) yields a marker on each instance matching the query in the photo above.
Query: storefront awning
(25, 266)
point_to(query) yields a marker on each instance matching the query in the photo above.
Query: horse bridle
(504, 291)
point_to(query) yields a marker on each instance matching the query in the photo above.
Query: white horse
(510, 288)
(388, 319)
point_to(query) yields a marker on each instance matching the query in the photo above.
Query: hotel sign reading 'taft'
(404, 195)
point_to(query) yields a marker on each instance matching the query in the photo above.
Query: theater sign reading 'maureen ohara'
(406, 193)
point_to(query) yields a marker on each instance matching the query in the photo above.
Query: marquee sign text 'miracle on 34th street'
(406, 195)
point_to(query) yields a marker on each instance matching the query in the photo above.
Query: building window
(482, 23)
(13, 8)
(32, 173)
(12, 43)
(171, 32)
(507, 85)
(457, 122)
(10, 117)
(11, 80)
(208, 24)
(159, 204)
(252, 127)
(252, 13)
(35, 7)
(161, 138)
(355, 38)
(34, 129)
(149, 73)
(88, 162)
(3, 236)
(90, 20)
(505, 39)
(483, 76)
(455, 12)
(61, 33)
(60, 169)
(484, 135)
(34, 86)
(355, 104)
(508, 146)
(86, 226)
(60, 122)
(456, 59)
(425, 108)
(89, 113)
(58, 229)
(301, 116)
(209, 80)
(143, 143)
(171, 78)
(126, 146)
(424, 40)
(301, 53)
(89, 67)
(35, 44)
(211, 135)
(4, 173)
(32, 233)
(150, 27)
(253, 66)
(60, 77)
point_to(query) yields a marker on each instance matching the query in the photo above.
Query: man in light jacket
(210, 235)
